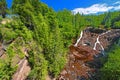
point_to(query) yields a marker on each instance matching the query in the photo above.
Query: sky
(82, 6)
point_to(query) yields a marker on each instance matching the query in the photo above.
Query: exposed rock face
(23, 68)
(22, 71)
(2, 50)
(84, 54)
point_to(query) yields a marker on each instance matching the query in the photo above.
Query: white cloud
(93, 9)
(117, 8)
(96, 8)
(118, 2)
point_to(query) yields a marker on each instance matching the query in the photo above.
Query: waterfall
(81, 34)
(98, 42)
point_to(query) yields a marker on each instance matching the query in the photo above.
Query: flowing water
(82, 63)
(98, 42)
(81, 34)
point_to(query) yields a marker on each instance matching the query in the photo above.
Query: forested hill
(34, 39)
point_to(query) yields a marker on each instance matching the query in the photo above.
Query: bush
(111, 69)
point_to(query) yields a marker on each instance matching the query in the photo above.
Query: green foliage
(14, 36)
(66, 25)
(0, 18)
(56, 53)
(111, 69)
(38, 64)
(24, 9)
(39, 71)
(41, 30)
(8, 34)
(6, 70)
(117, 24)
(47, 35)
(3, 8)
(16, 29)
(10, 51)
(44, 25)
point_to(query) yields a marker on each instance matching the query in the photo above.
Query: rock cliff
(85, 54)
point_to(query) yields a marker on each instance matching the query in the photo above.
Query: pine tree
(3, 8)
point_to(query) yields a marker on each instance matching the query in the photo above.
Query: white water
(105, 32)
(81, 34)
(98, 42)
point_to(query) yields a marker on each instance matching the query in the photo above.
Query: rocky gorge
(85, 55)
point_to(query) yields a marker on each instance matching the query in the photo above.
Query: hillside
(35, 41)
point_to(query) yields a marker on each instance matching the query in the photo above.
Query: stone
(84, 60)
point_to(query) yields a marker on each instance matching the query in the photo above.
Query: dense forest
(46, 35)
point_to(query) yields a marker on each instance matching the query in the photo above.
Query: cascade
(98, 42)
(82, 63)
(81, 34)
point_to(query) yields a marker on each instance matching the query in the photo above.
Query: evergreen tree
(111, 69)
(25, 11)
(3, 8)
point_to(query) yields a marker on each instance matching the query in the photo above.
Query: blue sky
(70, 4)
(82, 6)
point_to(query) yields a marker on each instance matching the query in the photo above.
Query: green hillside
(46, 35)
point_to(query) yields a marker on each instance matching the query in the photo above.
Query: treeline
(46, 33)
